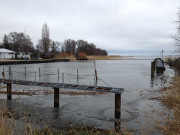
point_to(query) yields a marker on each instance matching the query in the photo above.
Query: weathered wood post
(117, 111)
(3, 73)
(9, 86)
(95, 71)
(39, 72)
(56, 97)
(9, 72)
(35, 76)
(9, 91)
(77, 74)
(58, 73)
(63, 78)
(152, 68)
(25, 71)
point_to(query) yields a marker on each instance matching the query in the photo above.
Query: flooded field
(91, 110)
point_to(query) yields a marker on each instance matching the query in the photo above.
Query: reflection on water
(94, 110)
(159, 79)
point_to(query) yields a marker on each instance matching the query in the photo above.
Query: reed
(171, 99)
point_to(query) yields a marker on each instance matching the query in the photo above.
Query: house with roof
(23, 55)
(6, 54)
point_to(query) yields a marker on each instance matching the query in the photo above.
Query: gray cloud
(110, 24)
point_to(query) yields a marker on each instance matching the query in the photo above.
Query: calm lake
(92, 110)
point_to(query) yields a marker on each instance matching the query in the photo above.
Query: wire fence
(59, 77)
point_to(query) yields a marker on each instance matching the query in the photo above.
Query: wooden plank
(66, 86)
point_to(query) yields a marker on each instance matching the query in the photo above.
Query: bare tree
(177, 35)
(44, 42)
(6, 43)
(19, 42)
(69, 46)
(54, 46)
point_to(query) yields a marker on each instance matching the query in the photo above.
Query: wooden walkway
(65, 86)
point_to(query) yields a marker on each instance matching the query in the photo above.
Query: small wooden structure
(157, 65)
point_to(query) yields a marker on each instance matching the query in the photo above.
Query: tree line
(21, 42)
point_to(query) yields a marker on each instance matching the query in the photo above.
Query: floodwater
(92, 110)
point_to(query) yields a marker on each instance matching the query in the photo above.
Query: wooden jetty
(31, 61)
(57, 86)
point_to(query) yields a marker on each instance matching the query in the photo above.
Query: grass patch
(171, 99)
(103, 57)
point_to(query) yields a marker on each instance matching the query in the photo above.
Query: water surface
(92, 110)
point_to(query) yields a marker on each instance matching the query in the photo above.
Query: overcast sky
(119, 26)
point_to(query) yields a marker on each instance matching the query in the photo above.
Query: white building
(6, 54)
(23, 55)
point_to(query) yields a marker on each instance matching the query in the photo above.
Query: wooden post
(10, 73)
(3, 73)
(63, 78)
(39, 72)
(77, 74)
(152, 68)
(58, 73)
(117, 111)
(95, 71)
(25, 71)
(56, 97)
(9, 93)
(35, 76)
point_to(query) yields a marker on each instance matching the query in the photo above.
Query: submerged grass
(78, 131)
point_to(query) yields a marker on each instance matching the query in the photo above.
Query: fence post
(77, 74)
(35, 76)
(3, 73)
(95, 83)
(9, 86)
(58, 73)
(9, 91)
(95, 70)
(63, 78)
(39, 72)
(9, 72)
(25, 71)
